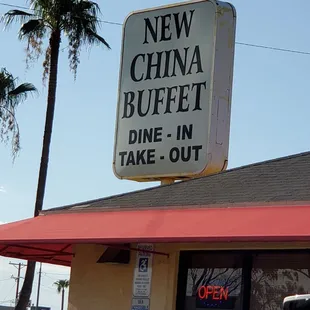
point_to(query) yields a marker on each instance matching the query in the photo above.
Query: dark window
(244, 280)
(275, 276)
(213, 281)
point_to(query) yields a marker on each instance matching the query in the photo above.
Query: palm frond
(34, 32)
(67, 283)
(19, 94)
(9, 129)
(93, 37)
(7, 82)
(77, 18)
(59, 288)
(81, 25)
(43, 9)
(90, 6)
(10, 94)
(33, 26)
(15, 15)
(10, 97)
(61, 284)
(23, 89)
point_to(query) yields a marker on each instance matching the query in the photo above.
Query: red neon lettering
(209, 291)
(224, 293)
(214, 292)
(202, 292)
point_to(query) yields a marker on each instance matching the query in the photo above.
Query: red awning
(49, 238)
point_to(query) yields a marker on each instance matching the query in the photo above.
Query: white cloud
(2, 189)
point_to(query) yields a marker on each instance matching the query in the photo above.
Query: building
(239, 239)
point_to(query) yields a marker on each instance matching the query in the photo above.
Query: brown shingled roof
(280, 180)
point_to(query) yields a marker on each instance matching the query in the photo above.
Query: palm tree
(61, 286)
(78, 20)
(11, 96)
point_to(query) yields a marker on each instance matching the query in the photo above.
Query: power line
(278, 49)
(111, 23)
(45, 275)
(274, 48)
(45, 286)
(5, 299)
(57, 274)
(13, 6)
(9, 301)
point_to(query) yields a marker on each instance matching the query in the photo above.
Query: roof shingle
(279, 180)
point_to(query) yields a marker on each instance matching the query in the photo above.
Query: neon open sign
(213, 292)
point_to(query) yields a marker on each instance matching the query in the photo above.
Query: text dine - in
(155, 134)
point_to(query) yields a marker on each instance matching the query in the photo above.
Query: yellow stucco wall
(109, 287)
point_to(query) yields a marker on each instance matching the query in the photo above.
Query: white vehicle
(297, 302)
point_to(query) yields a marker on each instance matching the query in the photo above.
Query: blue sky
(270, 109)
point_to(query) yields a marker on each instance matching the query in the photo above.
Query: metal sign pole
(166, 181)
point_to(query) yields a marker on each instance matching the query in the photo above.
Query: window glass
(213, 282)
(275, 276)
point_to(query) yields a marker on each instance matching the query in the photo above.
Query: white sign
(140, 304)
(174, 98)
(143, 272)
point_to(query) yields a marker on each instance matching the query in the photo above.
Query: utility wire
(45, 286)
(111, 23)
(13, 6)
(5, 299)
(57, 274)
(9, 301)
(274, 48)
(278, 49)
(45, 275)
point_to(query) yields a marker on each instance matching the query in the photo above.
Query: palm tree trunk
(52, 84)
(62, 298)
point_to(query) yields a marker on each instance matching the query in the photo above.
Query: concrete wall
(109, 287)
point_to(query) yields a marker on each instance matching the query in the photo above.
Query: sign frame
(142, 277)
(217, 144)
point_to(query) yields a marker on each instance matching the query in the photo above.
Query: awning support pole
(136, 249)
